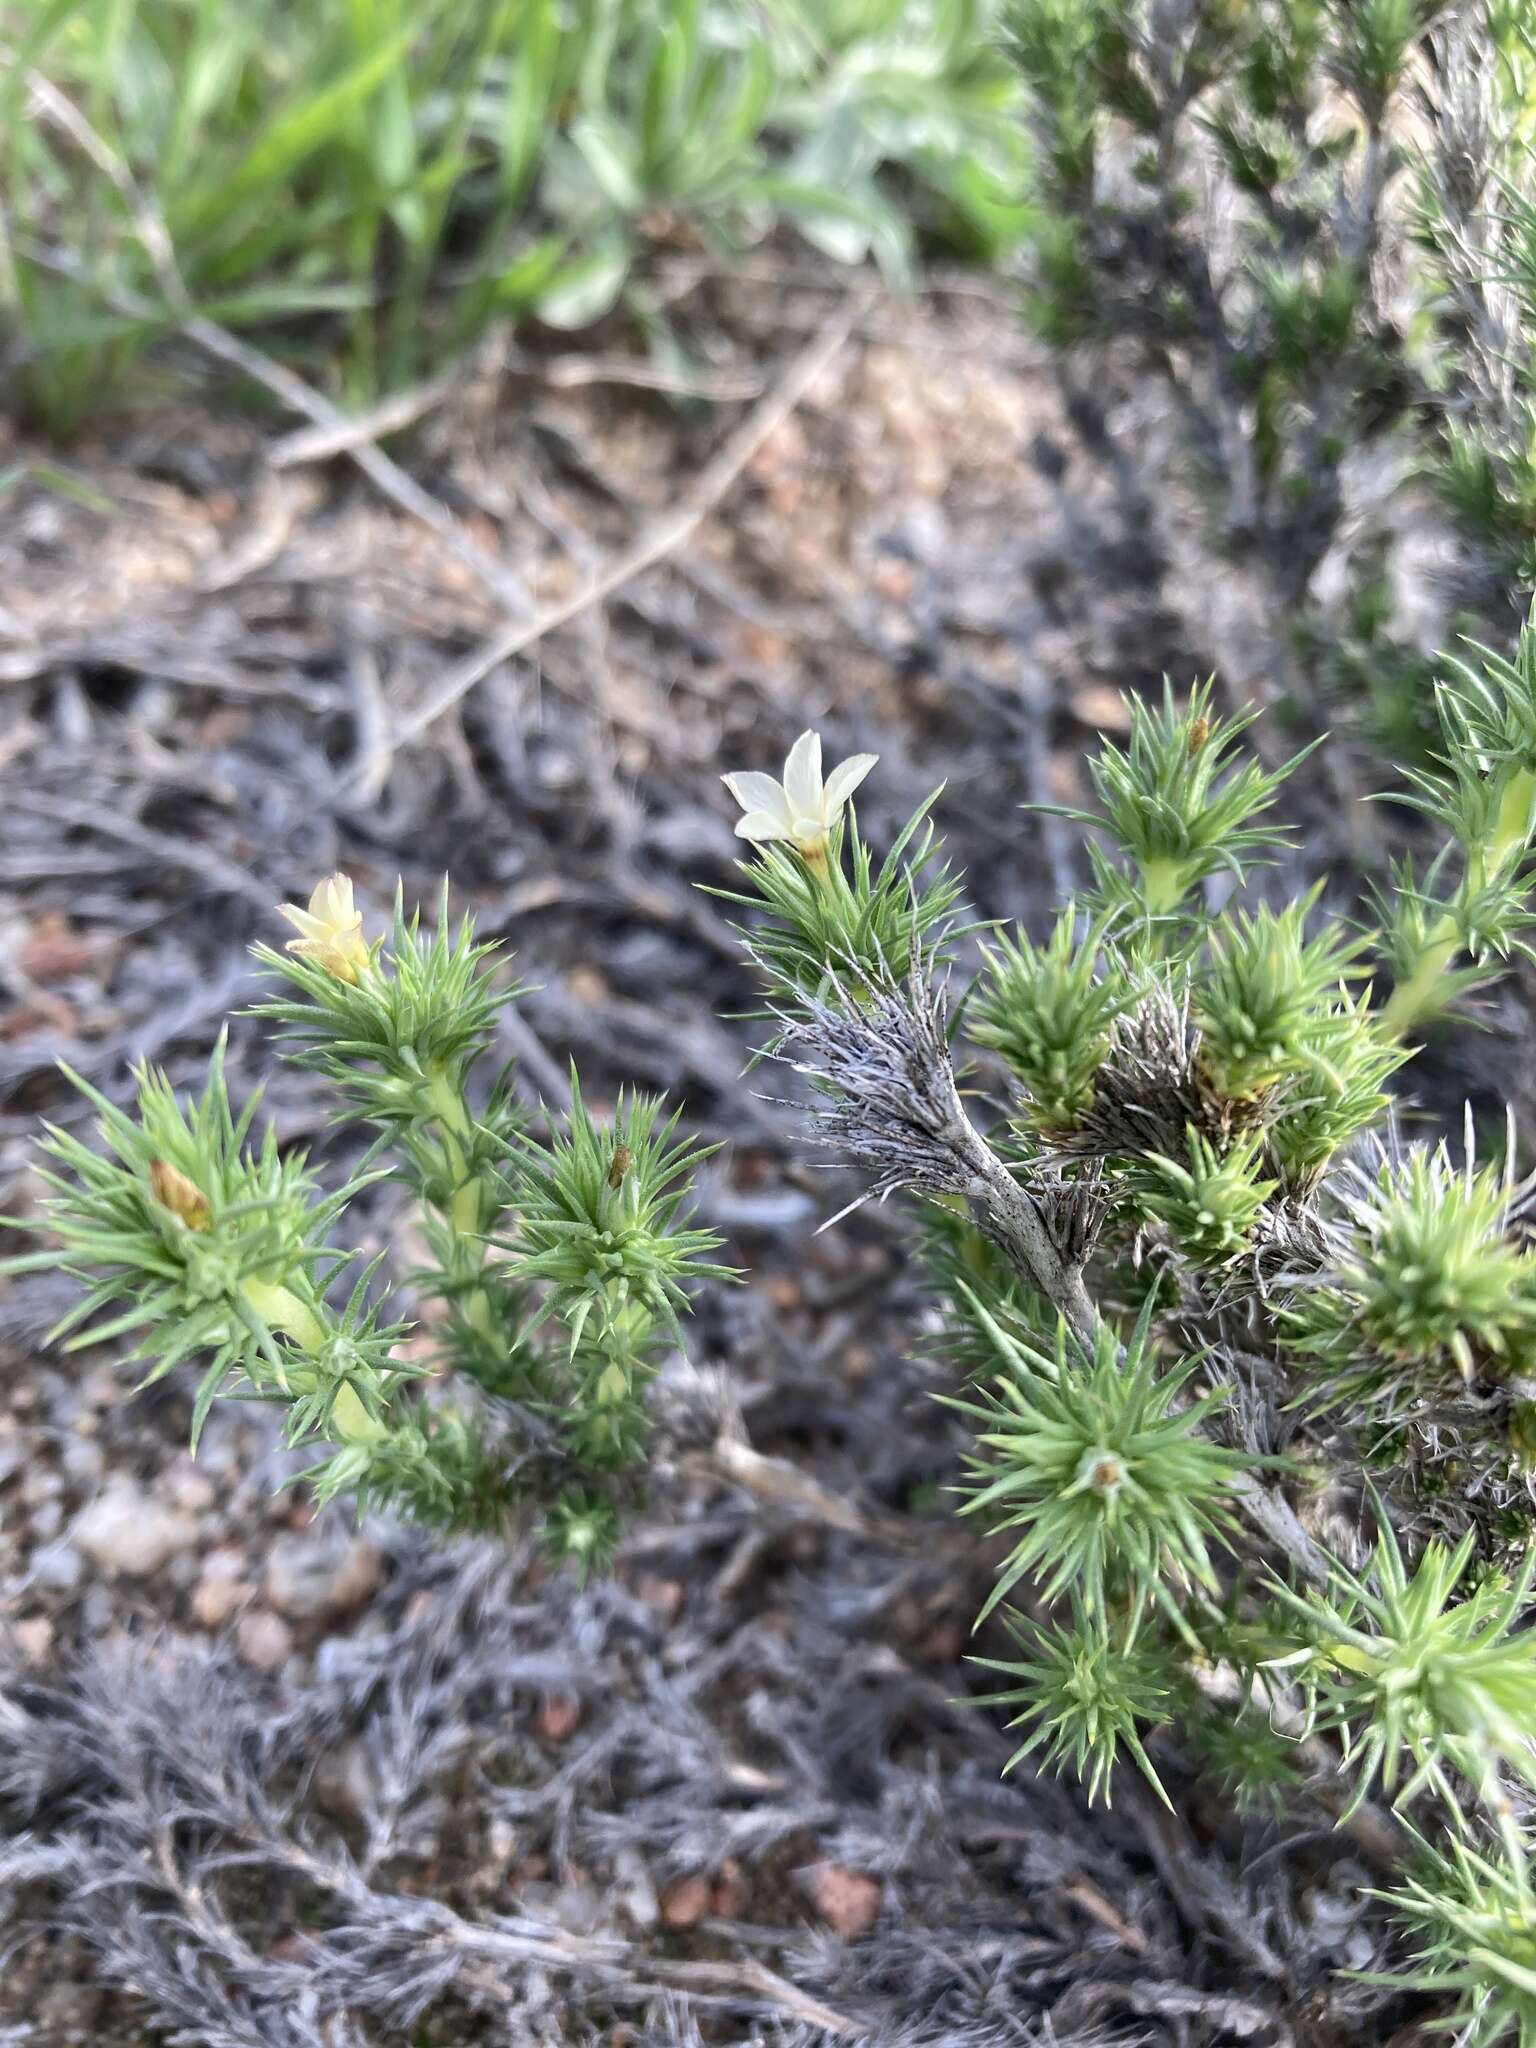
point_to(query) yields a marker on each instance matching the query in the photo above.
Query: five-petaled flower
(802, 808)
(331, 929)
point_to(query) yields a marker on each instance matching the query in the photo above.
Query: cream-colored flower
(802, 808)
(331, 929)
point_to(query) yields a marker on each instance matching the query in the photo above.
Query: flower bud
(184, 1198)
(1102, 1471)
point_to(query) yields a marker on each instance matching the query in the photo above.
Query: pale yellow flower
(331, 929)
(802, 808)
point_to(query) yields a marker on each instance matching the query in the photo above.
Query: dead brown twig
(322, 440)
(790, 1488)
(663, 538)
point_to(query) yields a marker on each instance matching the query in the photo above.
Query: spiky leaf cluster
(600, 1216)
(435, 1464)
(1048, 1010)
(214, 1249)
(400, 1041)
(1429, 1291)
(582, 1529)
(1096, 1466)
(198, 1242)
(1180, 799)
(1208, 1201)
(1471, 1919)
(1422, 1687)
(1338, 1090)
(425, 1007)
(602, 1240)
(846, 911)
(1266, 1000)
(1481, 793)
(1083, 1697)
(1236, 1745)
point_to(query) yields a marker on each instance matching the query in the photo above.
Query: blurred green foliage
(405, 172)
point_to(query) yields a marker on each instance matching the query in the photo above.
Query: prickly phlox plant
(1247, 1373)
(558, 1250)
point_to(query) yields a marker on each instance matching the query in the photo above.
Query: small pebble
(58, 1566)
(264, 1640)
(34, 1639)
(41, 1483)
(849, 1901)
(126, 1533)
(344, 1781)
(633, 1889)
(47, 1521)
(310, 1580)
(218, 1600)
(82, 1458)
(97, 1611)
(730, 1894)
(557, 1717)
(578, 1908)
(664, 1596)
(188, 1488)
(684, 1903)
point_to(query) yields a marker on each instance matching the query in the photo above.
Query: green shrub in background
(1312, 222)
(402, 173)
(1476, 218)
